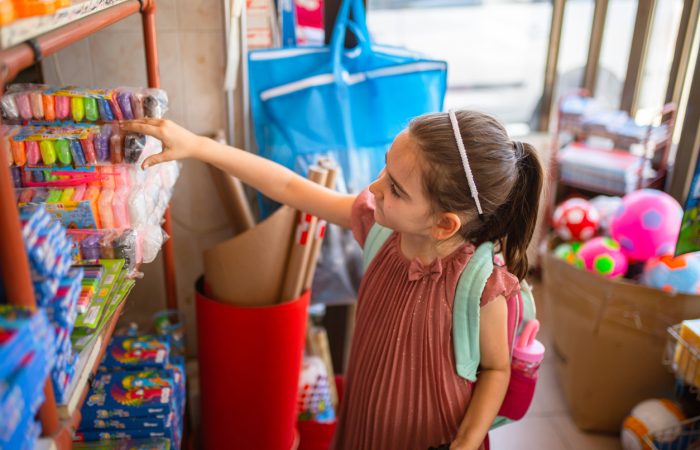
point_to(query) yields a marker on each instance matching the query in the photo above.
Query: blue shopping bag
(349, 105)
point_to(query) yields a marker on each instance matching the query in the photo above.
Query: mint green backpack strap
(529, 310)
(466, 310)
(376, 237)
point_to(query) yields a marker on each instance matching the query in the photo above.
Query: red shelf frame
(14, 264)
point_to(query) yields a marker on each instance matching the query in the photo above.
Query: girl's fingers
(155, 159)
(144, 126)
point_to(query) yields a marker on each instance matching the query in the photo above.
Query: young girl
(452, 181)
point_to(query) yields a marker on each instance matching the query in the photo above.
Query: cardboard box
(609, 338)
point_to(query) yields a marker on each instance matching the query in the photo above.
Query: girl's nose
(375, 188)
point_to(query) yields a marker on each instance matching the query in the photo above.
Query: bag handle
(358, 27)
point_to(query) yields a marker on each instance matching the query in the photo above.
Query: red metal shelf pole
(148, 15)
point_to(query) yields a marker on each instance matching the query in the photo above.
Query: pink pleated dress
(401, 387)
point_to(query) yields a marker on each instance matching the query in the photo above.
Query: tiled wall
(191, 53)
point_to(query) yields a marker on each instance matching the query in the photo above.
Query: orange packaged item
(61, 3)
(7, 12)
(28, 8)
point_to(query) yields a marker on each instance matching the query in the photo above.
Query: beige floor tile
(532, 433)
(578, 440)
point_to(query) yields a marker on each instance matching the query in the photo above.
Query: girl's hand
(178, 143)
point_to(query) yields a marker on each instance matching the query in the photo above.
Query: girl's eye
(393, 189)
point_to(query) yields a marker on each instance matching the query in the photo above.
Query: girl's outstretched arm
(273, 180)
(494, 376)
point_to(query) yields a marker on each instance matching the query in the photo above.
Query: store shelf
(24, 29)
(90, 359)
(49, 40)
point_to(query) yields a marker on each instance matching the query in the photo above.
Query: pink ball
(575, 220)
(603, 256)
(647, 224)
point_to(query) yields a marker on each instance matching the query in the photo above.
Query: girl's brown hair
(508, 178)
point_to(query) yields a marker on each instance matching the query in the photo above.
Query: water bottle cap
(532, 353)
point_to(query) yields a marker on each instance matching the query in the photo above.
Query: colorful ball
(606, 207)
(647, 224)
(603, 256)
(679, 274)
(660, 417)
(575, 220)
(567, 251)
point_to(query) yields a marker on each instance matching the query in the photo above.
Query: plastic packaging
(134, 144)
(137, 105)
(102, 143)
(124, 100)
(76, 151)
(37, 103)
(49, 107)
(105, 110)
(48, 152)
(23, 105)
(77, 107)
(9, 107)
(89, 150)
(62, 105)
(116, 146)
(155, 103)
(33, 152)
(105, 208)
(91, 109)
(63, 152)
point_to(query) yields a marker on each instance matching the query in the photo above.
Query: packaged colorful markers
(34, 102)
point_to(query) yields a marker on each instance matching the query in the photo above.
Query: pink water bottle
(528, 352)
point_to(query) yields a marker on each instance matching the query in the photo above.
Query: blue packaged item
(122, 444)
(132, 353)
(153, 423)
(21, 395)
(89, 436)
(21, 332)
(130, 394)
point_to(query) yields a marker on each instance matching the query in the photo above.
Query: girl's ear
(446, 225)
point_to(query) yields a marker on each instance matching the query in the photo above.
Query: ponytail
(522, 206)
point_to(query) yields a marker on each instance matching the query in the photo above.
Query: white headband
(465, 161)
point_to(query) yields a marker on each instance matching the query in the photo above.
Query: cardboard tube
(320, 229)
(301, 247)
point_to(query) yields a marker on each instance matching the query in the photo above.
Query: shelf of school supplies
(24, 29)
(13, 261)
(683, 359)
(90, 359)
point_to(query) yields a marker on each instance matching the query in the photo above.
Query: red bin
(249, 364)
